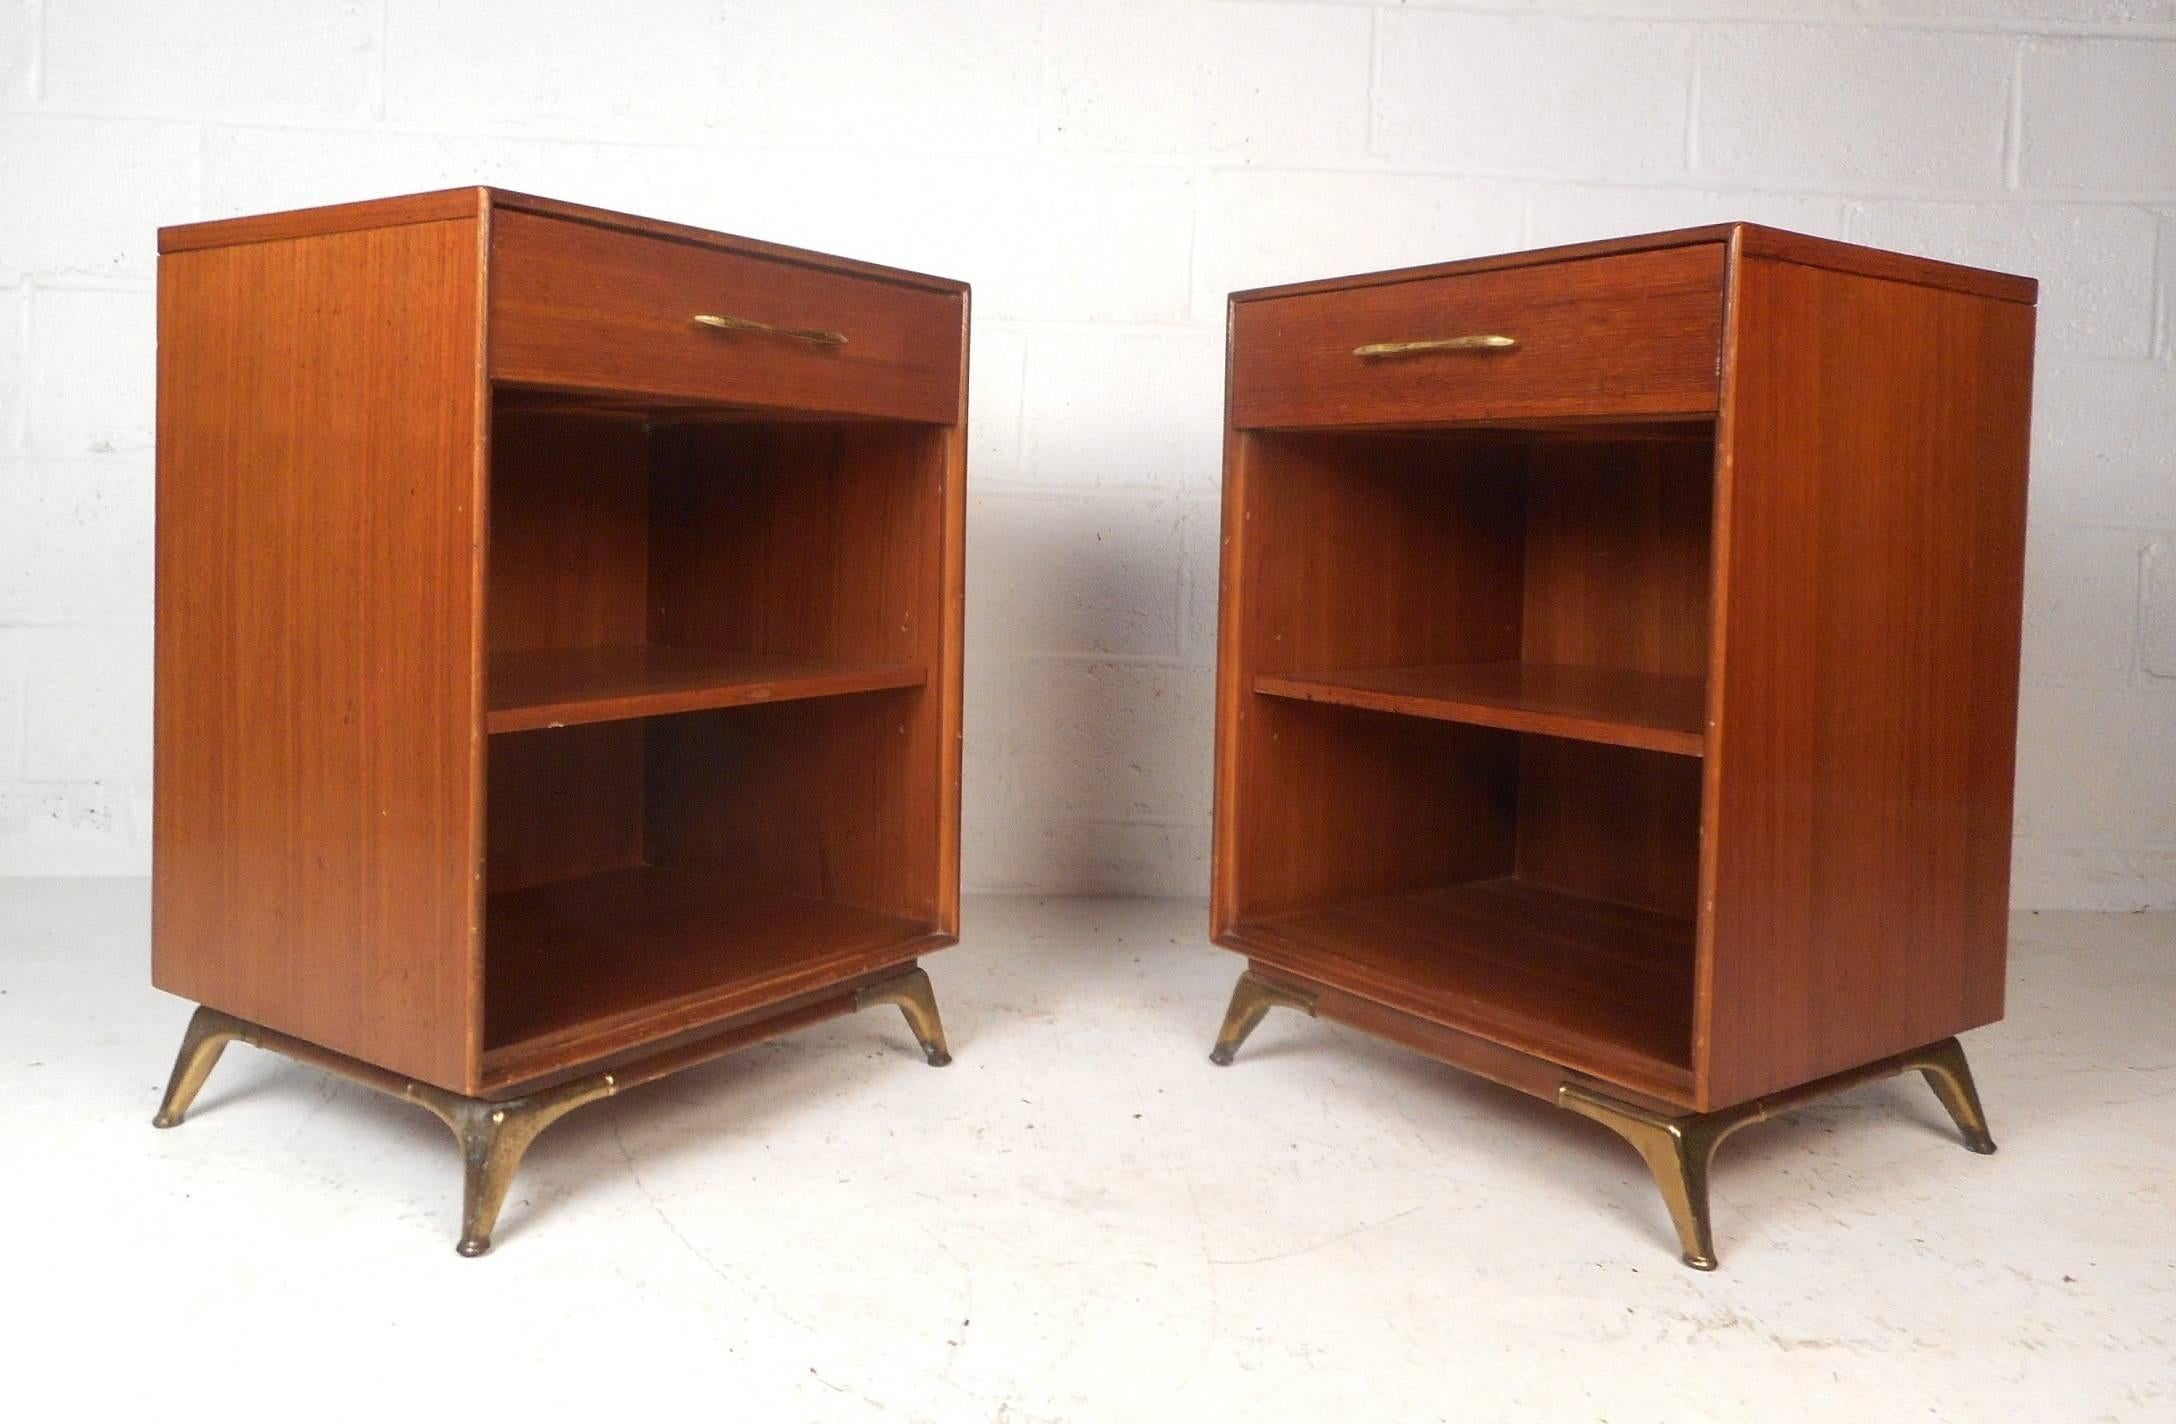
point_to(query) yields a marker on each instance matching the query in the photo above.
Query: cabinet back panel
(1617, 554)
(1610, 823)
(816, 540)
(827, 798)
(564, 802)
(569, 530)
(1378, 551)
(1344, 803)
(318, 714)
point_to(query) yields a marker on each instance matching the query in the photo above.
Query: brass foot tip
(174, 1120)
(473, 1247)
(937, 1057)
(1985, 1146)
(1701, 1263)
(1222, 1056)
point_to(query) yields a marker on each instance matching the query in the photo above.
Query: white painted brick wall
(1490, 93)
(1104, 171)
(1857, 109)
(2098, 114)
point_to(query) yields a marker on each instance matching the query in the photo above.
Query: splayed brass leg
(1950, 1076)
(207, 1036)
(1252, 999)
(493, 1136)
(911, 991)
(1680, 1150)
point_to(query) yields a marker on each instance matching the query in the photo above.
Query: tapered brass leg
(1950, 1076)
(493, 1137)
(1680, 1150)
(911, 991)
(1252, 999)
(494, 1134)
(207, 1036)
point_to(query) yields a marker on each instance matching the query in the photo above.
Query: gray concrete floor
(1081, 1219)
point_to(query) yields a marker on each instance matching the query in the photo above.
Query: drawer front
(588, 308)
(1633, 335)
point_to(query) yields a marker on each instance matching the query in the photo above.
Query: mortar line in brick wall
(1056, 658)
(37, 51)
(1697, 14)
(1158, 822)
(2088, 359)
(1375, 66)
(2081, 197)
(1054, 493)
(1193, 165)
(87, 282)
(79, 622)
(2068, 843)
(200, 161)
(19, 694)
(2138, 675)
(2164, 334)
(2013, 121)
(1025, 325)
(1197, 180)
(378, 70)
(122, 784)
(112, 461)
(18, 436)
(2101, 526)
(1689, 153)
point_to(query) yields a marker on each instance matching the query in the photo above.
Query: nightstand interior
(713, 686)
(1469, 752)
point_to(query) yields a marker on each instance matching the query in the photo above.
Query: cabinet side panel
(1875, 457)
(316, 725)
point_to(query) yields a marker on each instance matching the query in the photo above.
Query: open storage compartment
(1470, 685)
(716, 745)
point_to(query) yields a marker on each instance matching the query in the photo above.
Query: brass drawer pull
(1443, 343)
(791, 333)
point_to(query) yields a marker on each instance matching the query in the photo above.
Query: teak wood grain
(493, 607)
(1746, 668)
(1744, 239)
(578, 307)
(317, 727)
(1604, 989)
(565, 687)
(483, 203)
(1610, 705)
(1633, 335)
(1870, 534)
(707, 950)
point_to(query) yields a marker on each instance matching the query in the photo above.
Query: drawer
(581, 307)
(1634, 335)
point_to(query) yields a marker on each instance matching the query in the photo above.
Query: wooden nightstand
(558, 649)
(1618, 674)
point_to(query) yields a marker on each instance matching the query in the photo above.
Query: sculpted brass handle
(1379, 349)
(791, 333)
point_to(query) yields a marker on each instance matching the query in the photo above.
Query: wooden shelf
(1590, 704)
(581, 968)
(565, 687)
(1601, 988)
